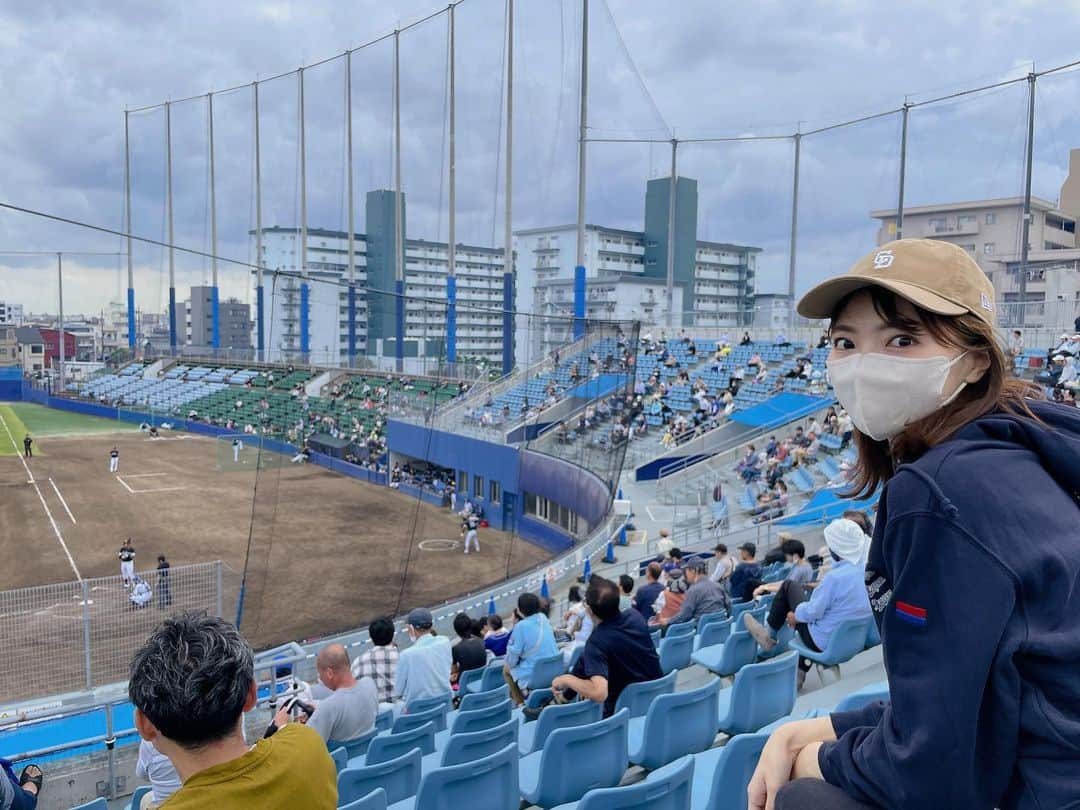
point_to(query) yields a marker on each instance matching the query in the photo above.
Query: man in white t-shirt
(725, 564)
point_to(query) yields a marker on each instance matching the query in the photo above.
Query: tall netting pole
(508, 218)
(583, 133)
(215, 315)
(170, 231)
(260, 303)
(451, 214)
(127, 222)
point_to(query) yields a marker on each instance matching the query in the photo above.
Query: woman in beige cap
(973, 572)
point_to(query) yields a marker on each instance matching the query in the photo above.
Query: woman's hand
(783, 759)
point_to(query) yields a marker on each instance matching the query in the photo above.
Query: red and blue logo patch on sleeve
(912, 614)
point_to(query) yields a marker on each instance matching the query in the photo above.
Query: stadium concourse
(704, 716)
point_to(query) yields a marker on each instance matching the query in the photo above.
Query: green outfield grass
(41, 422)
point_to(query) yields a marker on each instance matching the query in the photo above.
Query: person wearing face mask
(973, 569)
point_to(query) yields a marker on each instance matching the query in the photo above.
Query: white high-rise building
(11, 314)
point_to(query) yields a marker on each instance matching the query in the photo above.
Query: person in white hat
(972, 573)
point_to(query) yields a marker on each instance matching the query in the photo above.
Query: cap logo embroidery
(883, 259)
(985, 302)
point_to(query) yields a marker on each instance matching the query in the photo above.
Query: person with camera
(351, 708)
(191, 684)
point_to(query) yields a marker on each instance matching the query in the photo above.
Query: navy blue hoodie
(974, 577)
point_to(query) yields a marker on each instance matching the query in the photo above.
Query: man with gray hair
(191, 683)
(351, 708)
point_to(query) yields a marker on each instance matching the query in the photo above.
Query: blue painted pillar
(399, 325)
(352, 325)
(259, 316)
(172, 319)
(215, 316)
(508, 323)
(131, 318)
(451, 319)
(305, 314)
(579, 302)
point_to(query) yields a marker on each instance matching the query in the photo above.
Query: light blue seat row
(729, 657)
(761, 694)
(676, 725)
(847, 641)
(668, 788)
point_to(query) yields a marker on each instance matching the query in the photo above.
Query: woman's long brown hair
(997, 390)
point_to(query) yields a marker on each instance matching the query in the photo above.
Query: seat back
(739, 650)
(479, 744)
(390, 746)
(873, 635)
(469, 676)
(711, 618)
(481, 719)
(97, 804)
(783, 639)
(492, 677)
(576, 760)
(637, 697)
(575, 656)
(384, 719)
(715, 632)
(566, 715)
(848, 640)
(415, 719)
(481, 700)
(340, 757)
(665, 789)
(417, 705)
(655, 635)
(137, 797)
(740, 608)
(355, 747)
(376, 800)
(868, 694)
(679, 724)
(399, 777)
(545, 670)
(733, 770)
(680, 629)
(675, 653)
(480, 783)
(762, 693)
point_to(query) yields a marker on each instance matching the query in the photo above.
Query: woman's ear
(980, 364)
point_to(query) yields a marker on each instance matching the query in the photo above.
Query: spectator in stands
(19, 793)
(749, 467)
(191, 683)
(423, 670)
(626, 586)
(1068, 377)
(496, 637)
(703, 597)
(966, 455)
(153, 767)
(647, 594)
(674, 560)
(351, 708)
(380, 662)
(808, 453)
(725, 564)
(530, 640)
(618, 653)
(572, 616)
(746, 572)
(671, 599)
(746, 341)
(801, 572)
(469, 652)
(1016, 344)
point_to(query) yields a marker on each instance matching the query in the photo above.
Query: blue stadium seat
(137, 797)
(415, 719)
(711, 618)
(468, 677)
(488, 782)
(868, 694)
(476, 720)
(722, 774)
(575, 656)
(492, 677)
(389, 746)
(546, 670)
(873, 635)
(340, 757)
(637, 697)
(783, 639)
(655, 635)
(848, 640)
(480, 700)
(97, 804)
(399, 777)
(712, 633)
(728, 658)
(557, 774)
(740, 608)
(417, 705)
(384, 721)
(356, 746)
(668, 788)
(676, 724)
(376, 800)
(675, 653)
(473, 745)
(761, 693)
(680, 629)
(554, 716)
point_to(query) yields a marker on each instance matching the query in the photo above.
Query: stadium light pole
(792, 250)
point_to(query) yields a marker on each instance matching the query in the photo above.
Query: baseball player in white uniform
(114, 459)
(471, 524)
(126, 554)
(237, 446)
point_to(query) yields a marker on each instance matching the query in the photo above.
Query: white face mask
(884, 394)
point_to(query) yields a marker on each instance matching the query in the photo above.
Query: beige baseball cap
(937, 276)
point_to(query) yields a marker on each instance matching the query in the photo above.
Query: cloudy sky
(695, 67)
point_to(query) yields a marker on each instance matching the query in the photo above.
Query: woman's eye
(843, 343)
(902, 341)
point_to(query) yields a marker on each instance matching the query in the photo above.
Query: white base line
(56, 489)
(45, 506)
(124, 483)
(159, 489)
(144, 475)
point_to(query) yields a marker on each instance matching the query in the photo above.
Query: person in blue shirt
(974, 566)
(646, 595)
(423, 669)
(747, 572)
(531, 639)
